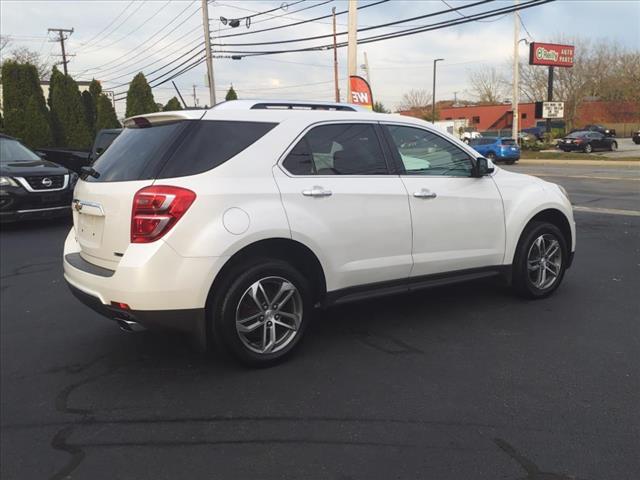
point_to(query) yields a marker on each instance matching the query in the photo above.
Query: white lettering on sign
(360, 97)
(544, 54)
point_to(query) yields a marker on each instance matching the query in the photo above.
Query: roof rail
(287, 105)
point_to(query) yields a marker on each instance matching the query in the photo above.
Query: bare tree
(487, 85)
(4, 43)
(25, 55)
(415, 100)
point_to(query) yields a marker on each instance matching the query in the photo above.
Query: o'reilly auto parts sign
(551, 54)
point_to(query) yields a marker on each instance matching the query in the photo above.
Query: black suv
(31, 187)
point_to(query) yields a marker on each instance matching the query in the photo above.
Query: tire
(511, 162)
(588, 148)
(614, 146)
(527, 280)
(491, 156)
(235, 301)
(466, 140)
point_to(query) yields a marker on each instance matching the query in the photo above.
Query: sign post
(551, 55)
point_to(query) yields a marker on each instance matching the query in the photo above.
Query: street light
(433, 101)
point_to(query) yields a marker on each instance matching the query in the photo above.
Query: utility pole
(61, 39)
(207, 46)
(366, 68)
(195, 99)
(433, 100)
(516, 73)
(352, 46)
(335, 56)
(455, 99)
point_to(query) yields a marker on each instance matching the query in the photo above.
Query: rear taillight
(156, 210)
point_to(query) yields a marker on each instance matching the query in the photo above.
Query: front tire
(540, 260)
(588, 148)
(262, 314)
(614, 146)
(491, 156)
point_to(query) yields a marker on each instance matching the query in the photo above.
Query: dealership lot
(459, 382)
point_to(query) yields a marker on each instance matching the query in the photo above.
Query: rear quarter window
(175, 149)
(210, 143)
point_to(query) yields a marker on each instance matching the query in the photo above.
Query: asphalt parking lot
(462, 382)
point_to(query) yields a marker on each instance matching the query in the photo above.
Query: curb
(599, 163)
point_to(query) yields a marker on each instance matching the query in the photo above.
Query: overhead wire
(83, 45)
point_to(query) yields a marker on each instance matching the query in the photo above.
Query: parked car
(596, 128)
(31, 187)
(587, 142)
(235, 224)
(636, 137)
(104, 138)
(497, 148)
(537, 132)
(75, 160)
(466, 137)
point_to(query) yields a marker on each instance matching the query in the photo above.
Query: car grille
(36, 182)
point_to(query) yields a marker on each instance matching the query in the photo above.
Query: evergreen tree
(172, 105)
(139, 97)
(68, 113)
(89, 106)
(26, 115)
(231, 94)
(106, 115)
(380, 108)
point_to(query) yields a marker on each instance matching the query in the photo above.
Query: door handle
(424, 193)
(316, 191)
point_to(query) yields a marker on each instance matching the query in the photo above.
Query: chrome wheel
(544, 261)
(268, 315)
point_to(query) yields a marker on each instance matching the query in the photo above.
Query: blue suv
(497, 148)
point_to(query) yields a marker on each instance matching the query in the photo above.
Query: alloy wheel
(544, 261)
(268, 315)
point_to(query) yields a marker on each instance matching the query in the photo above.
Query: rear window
(508, 141)
(175, 149)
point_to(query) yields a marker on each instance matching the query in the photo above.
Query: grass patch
(572, 156)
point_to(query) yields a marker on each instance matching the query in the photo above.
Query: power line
(403, 33)
(363, 29)
(133, 12)
(134, 30)
(411, 31)
(100, 68)
(463, 16)
(83, 45)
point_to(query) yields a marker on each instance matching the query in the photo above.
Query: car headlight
(7, 182)
(564, 192)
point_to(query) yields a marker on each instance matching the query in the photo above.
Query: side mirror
(483, 167)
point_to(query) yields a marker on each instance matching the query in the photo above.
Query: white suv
(233, 224)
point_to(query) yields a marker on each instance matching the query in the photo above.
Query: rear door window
(340, 149)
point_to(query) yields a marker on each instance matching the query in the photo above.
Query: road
(463, 382)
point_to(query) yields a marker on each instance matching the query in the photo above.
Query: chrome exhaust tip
(129, 326)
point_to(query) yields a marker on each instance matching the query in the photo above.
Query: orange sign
(361, 92)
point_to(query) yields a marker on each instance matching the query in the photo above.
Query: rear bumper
(190, 321)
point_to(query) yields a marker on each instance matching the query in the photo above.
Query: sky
(113, 40)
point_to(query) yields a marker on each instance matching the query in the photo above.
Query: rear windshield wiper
(87, 171)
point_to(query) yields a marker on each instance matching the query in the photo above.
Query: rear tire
(540, 260)
(511, 162)
(248, 322)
